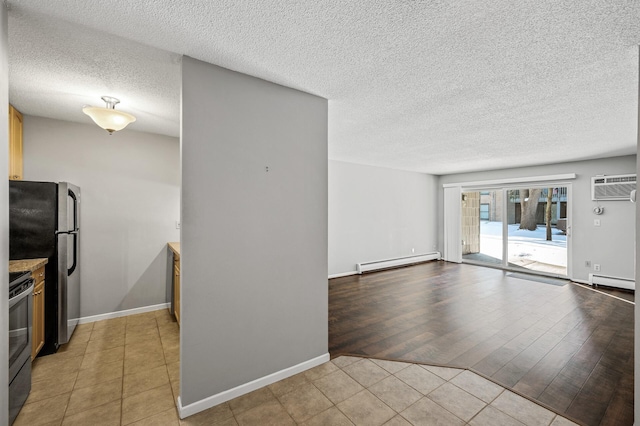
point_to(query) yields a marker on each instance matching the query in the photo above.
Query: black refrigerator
(44, 222)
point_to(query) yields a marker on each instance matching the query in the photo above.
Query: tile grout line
(123, 372)
(166, 365)
(495, 408)
(336, 405)
(555, 415)
(122, 398)
(394, 375)
(122, 383)
(367, 388)
(520, 394)
(172, 394)
(427, 396)
(81, 356)
(64, 415)
(74, 383)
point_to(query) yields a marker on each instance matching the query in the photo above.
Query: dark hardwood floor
(566, 346)
(629, 295)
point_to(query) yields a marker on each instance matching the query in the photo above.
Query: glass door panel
(482, 240)
(537, 224)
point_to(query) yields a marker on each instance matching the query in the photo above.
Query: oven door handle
(15, 300)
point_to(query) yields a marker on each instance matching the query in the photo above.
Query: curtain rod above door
(530, 179)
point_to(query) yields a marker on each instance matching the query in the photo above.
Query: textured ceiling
(431, 86)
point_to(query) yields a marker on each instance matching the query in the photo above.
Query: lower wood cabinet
(176, 287)
(37, 337)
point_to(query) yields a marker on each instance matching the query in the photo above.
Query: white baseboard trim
(124, 313)
(343, 274)
(212, 401)
(611, 281)
(580, 281)
(589, 287)
(377, 265)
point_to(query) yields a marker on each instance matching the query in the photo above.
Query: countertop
(175, 247)
(27, 264)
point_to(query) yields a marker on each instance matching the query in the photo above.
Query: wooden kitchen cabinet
(38, 312)
(15, 144)
(176, 287)
(175, 281)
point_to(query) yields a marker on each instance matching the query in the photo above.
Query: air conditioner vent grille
(611, 188)
(621, 179)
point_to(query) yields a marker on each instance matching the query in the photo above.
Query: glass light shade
(108, 118)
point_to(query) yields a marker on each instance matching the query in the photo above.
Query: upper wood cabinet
(15, 144)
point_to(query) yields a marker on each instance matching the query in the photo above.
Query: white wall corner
(212, 401)
(127, 312)
(343, 274)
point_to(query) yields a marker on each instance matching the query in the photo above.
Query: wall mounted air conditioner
(612, 188)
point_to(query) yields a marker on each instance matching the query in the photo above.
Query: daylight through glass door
(482, 227)
(516, 228)
(536, 237)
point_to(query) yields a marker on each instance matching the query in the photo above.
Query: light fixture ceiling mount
(107, 117)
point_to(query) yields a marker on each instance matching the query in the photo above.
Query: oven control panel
(20, 288)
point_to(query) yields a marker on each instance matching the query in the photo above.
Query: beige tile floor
(124, 371)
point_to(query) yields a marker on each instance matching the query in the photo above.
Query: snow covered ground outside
(524, 245)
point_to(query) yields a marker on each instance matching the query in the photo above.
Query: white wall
(377, 213)
(254, 242)
(612, 244)
(4, 216)
(130, 200)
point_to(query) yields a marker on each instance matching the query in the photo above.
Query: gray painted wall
(4, 216)
(377, 213)
(130, 188)
(612, 244)
(254, 243)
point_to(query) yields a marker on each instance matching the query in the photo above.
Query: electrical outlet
(587, 263)
(413, 250)
(596, 267)
(596, 222)
(177, 224)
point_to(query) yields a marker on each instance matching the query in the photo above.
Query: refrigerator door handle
(75, 211)
(75, 253)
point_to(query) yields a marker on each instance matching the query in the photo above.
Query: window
(484, 211)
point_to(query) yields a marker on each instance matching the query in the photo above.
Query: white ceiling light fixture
(108, 118)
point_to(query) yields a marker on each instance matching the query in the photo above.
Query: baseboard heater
(398, 261)
(625, 283)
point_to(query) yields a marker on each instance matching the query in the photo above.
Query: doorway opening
(517, 228)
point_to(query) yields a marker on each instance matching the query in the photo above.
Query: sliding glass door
(536, 235)
(482, 226)
(517, 228)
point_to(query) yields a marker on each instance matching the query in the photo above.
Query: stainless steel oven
(20, 318)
